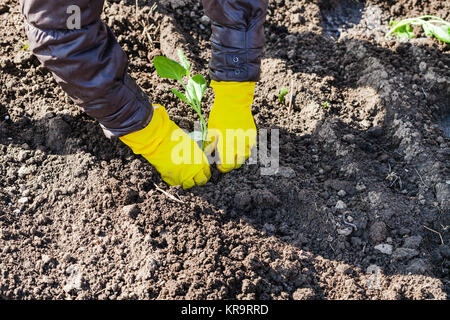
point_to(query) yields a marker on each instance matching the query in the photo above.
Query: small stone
(291, 54)
(296, 18)
(373, 269)
(340, 205)
(286, 172)
(422, 66)
(360, 187)
(404, 254)
(418, 266)
(74, 280)
(348, 138)
(384, 248)
(205, 20)
(23, 171)
(45, 259)
(378, 232)
(404, 231)
(345, 231)
(342, 193)
(303, 294)
(67, 258)
(412, 242)
(23, 200)
(131, 210)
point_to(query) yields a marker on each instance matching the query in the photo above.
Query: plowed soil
(360, 209)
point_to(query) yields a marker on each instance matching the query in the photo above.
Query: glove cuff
(233, 94)
(147, 140)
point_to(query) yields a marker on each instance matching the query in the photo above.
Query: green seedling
(431, 25)
(325, 105)
(25, 46)
(194, 87)
(282, 94)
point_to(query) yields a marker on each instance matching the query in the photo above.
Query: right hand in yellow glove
(231, 128)
(169, 149)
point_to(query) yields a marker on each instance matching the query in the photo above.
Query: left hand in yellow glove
(231, 128)
(169, 149)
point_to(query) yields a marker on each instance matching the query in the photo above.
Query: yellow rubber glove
(231, 128)
(169, 149)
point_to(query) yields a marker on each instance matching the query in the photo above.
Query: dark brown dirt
(81, 218)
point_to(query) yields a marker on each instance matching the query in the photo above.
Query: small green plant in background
(282, 94)
(25, 46)
(325, 105)
(194, 88)
(432, 26)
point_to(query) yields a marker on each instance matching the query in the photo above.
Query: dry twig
(291, 92)
(440, 236)
(168, 194)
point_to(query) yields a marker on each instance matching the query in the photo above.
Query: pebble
(74, 280)
(403, 231)
(412, 242)
(45, 259)
(342, 193)
(417, 266)
(360, 187)
(340, 205)
(404, 253)
(23, 171)
(378, 232)
(384, 248)
(23, 200)
(205, 20)
(345, 231)
(286, 172)
(373, 269)
(131, 210)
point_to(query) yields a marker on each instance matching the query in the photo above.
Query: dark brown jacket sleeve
(87, 62)
(237, 38)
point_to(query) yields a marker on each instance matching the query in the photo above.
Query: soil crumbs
(360, 209)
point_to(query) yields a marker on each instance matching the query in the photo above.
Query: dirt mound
(360, 211)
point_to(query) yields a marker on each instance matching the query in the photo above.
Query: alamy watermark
(74, 20)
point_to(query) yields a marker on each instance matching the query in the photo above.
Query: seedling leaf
(184, 61)
(441, 32)
(431, 26)
(282, 94)
(169, 69)
(180, 95)
(403, 31)
(196, 87)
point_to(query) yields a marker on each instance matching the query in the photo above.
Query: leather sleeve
(237, 39)
(87, 62)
